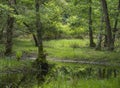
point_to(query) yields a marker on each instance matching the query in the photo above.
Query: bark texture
(108, 26)
(92, 44)
(39, 30)
(9, 30)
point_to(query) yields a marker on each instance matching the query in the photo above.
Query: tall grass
(67, 49)
(66, 77)
(77, 49)
(6, 63)
(83, 83)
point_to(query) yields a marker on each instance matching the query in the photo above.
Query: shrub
(18, 55)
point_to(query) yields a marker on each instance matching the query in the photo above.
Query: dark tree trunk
(41, 63)
(39, 31)
(9, 30)
(108, 26)
(92, 44)
(9, 34)
(116, 22)
(35, 39)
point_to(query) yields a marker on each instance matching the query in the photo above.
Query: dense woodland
(59, 43)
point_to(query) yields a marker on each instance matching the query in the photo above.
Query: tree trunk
(116, 22)
(92, 44)
(9, 33)
(35, 39)
(41, 63)
(108, 26)
(9, 30)
(39, 31)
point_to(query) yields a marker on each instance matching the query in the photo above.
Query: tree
(92, 44)
(41, 63)
(9, 30)
(39, 31)
(108, 26)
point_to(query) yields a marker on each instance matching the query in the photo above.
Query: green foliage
(77, 76)
(60, 19)
(70, 17)
(5, 8)
(74, 45)
(63, 49)
(9, 63)
(18, 55)
(83, 83)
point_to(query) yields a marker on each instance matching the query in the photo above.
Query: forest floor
(71, 49)
(71, 58)
(66, 50)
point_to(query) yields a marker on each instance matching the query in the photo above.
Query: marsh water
(31, 78)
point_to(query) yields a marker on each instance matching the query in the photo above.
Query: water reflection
(31, 77)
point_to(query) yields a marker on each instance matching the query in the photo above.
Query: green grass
(60, 78)
(68, 49)
(65, 49)
(77, 49)
(24, 45)
(61, 82)
(6, 63)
